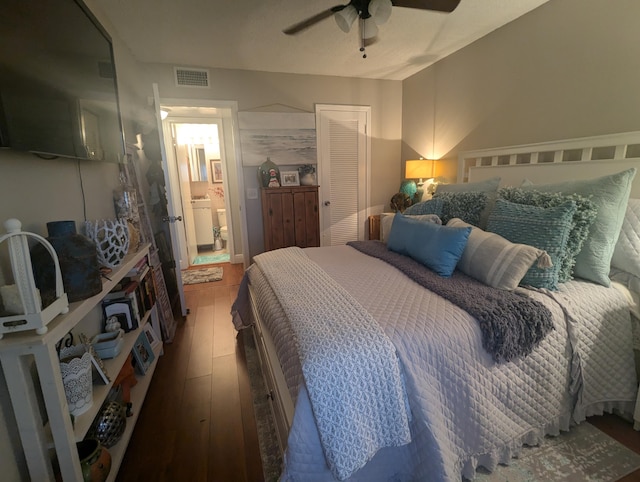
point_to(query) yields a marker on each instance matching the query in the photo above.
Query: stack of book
(130, 300)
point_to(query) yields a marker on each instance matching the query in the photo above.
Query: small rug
(267, 438)
(212, 258)
(202, 275)
(582, 454)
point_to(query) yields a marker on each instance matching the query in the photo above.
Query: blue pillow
(583, 218)
(437, 247)
(432, 206)
(544, 228)
(610, 195)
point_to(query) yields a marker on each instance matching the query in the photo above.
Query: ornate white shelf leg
(48, 365)
(23, 398)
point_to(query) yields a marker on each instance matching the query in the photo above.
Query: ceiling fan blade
(298, 27)
(437, 5)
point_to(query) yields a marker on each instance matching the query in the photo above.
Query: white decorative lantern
(23, 298)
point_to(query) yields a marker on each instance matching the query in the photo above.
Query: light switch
(252, 193)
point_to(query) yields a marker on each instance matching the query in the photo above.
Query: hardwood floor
(197, 423)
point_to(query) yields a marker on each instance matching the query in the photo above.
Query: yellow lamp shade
(419, 169)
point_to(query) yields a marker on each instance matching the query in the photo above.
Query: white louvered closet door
(343, 159)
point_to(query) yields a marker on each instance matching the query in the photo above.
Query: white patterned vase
(75, 366)
(112, 240)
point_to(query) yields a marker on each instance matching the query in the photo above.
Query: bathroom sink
(201, 203)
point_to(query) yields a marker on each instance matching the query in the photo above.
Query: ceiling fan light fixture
(380, 10)
(346, 17)
(369, 28)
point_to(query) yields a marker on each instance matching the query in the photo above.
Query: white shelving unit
(21, 352)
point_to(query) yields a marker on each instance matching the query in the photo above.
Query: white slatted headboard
(549, 162)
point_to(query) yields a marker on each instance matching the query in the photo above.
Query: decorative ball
(110, 423)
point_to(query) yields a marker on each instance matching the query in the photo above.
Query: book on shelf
(122, 290)
(140, 269)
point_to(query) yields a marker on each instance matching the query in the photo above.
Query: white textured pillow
(497, 262)
(386, 220)
(626, 255)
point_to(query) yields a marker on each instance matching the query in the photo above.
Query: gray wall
(286, 92)
(570, 68)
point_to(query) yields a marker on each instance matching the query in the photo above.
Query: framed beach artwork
(287, 138)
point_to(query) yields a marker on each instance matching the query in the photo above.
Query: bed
(382, 369)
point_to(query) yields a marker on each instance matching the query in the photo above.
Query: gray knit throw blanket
(512, 325)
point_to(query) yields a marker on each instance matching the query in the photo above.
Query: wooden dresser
(290, 217)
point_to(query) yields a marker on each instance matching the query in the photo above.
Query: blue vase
(78, 263)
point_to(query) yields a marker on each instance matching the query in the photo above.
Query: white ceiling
(247, 34)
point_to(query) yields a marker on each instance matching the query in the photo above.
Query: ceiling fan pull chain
(364, 54)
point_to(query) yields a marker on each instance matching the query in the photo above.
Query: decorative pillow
(386, 220)
(467, 206)
(626, 254)
(543, 228)
(497, 262)
(489, 186)
(437, 247)
(610, 195)
(432, 206)
(582, 220)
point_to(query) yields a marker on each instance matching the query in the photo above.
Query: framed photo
(96, 361)
(154, 339)
(142, 353)
(290, 178)
(216, 170)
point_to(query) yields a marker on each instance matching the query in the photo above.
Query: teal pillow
(582, 220)
(544, 228)
(432, 206)
(490, 186)
(437, 247)
(467, 206)
(610, 195)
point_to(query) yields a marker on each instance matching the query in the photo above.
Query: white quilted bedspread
(467, 410)
(350, 367)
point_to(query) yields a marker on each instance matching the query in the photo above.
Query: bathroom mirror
(198, 164)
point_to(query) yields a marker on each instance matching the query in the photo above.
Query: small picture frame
(216, 170)
(96, 361)
(154, 339)
(290, 178)
(142, 353)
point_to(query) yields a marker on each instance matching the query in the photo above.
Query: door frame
(322, 192)
(232, 111)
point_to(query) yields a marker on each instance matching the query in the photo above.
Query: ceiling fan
(371, 13)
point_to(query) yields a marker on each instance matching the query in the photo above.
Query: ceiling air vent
(192, 77)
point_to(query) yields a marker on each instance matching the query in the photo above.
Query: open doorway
(202, 161)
